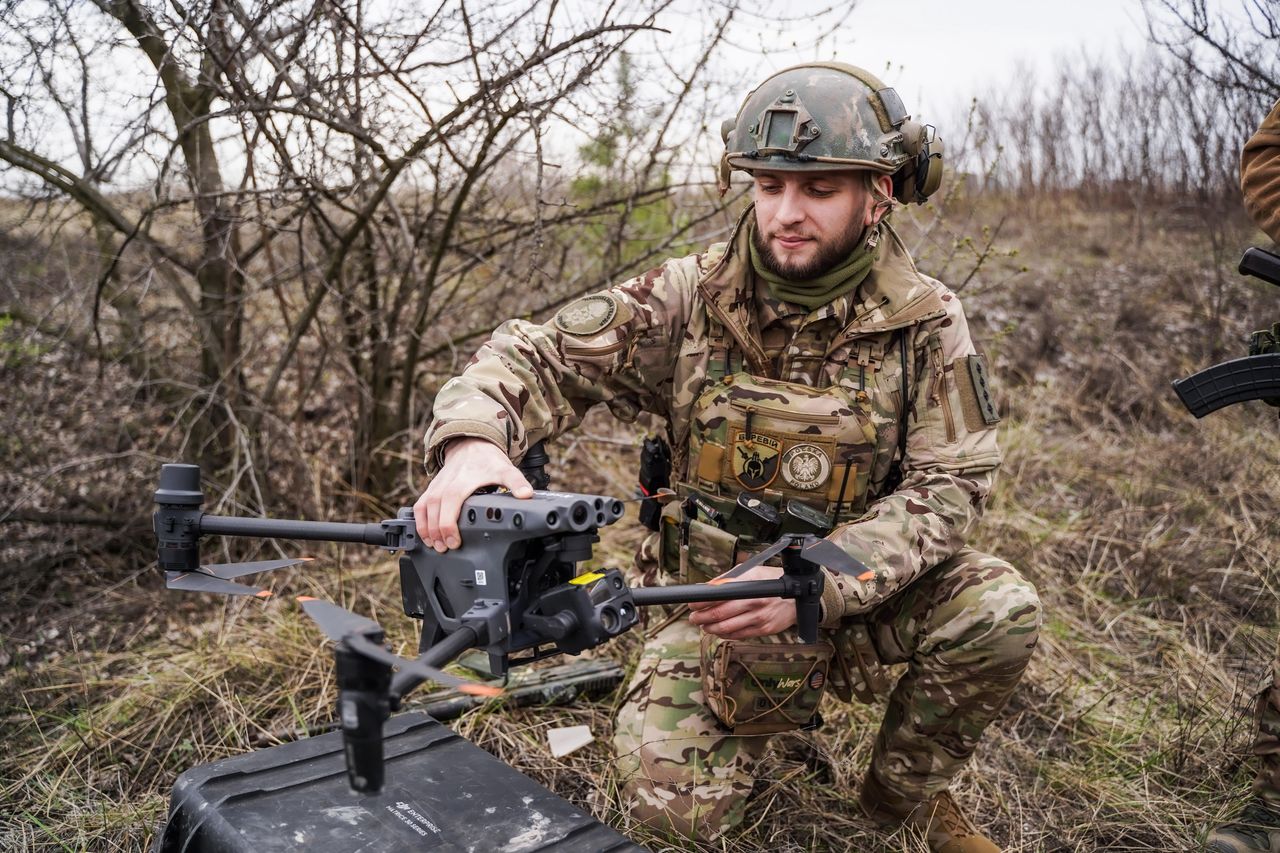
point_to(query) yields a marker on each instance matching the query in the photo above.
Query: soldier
(1258, 826)
(807, 364)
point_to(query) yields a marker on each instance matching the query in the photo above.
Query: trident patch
(755, 460)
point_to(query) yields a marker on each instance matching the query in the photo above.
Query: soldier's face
(807, 223)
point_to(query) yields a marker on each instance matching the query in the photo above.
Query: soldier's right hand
(469, 463)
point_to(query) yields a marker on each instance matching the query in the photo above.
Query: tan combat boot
(1257, 829)
(939, 819)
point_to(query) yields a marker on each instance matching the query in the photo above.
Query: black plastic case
(443, 793)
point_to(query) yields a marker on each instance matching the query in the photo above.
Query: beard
(829, 255)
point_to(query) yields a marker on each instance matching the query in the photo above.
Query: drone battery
(442, 794)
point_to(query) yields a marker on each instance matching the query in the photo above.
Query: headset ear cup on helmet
(904, 183)
(904, 180)
(928, 169)
(921, 177)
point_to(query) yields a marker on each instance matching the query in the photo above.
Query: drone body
(518, 575)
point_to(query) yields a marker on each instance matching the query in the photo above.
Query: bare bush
(1230, 43)
(1143, 129)
(314, 188)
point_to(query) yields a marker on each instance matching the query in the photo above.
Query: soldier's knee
(676, 771)
(1017, 626)
(995, 613)
(699, 811)
(686, 792)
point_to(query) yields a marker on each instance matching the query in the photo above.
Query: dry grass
(1152, 538)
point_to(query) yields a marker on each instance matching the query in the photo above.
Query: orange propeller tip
(262, 593)
(304, 598)
(718, 581)
(480, 690)
(307, 559)
(867, 576)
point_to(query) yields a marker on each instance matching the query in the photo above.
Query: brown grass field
(1153, 539)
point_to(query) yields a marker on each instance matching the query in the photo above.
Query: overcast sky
(938, 53)
(958, 48)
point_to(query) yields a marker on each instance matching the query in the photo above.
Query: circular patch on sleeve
(588, 315)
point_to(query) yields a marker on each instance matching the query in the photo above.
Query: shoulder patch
(591, 315)
(976, 395)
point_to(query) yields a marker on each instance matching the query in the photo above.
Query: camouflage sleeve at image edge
(950, 466)
(533, 381)
(1260, 174)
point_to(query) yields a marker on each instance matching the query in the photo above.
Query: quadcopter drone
(513, 589)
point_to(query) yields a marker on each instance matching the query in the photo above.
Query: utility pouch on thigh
(858, 673)
(763, 688)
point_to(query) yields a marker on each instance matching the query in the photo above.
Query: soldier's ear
(882, 199)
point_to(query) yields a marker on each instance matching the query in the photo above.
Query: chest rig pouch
(807, 453)
(782, 443)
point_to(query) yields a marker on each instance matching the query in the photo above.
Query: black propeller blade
(829, 555)
(342, 626)
(337, 622)
(216, 578)
(226, 571)
(821, 551)
(200, 582)
(747, 565)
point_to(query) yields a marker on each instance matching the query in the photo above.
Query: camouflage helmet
(828, 115)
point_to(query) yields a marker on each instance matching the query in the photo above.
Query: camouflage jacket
(643, 346)
(1260, 174)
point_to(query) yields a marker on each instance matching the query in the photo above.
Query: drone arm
(279, 528)
(439, 655)
(647, 596)
(806, 590)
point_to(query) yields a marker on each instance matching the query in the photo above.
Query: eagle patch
(589, 315)
(805, 467)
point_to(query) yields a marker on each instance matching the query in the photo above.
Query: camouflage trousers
(1267, 745)
(965, 629)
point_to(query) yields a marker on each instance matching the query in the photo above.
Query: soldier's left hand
(746, 618)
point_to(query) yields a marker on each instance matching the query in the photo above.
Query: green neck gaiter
(821, 290)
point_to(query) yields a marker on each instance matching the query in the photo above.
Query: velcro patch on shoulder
(976, 395)
(591, 315)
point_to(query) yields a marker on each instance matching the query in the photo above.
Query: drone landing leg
(807, 580)
(363, 706)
